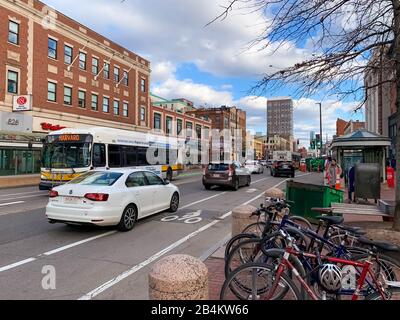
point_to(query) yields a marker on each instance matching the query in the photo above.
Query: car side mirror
(166, 182)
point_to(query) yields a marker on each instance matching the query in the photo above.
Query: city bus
(68, 153)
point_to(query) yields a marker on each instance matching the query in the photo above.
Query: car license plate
(71, 200)
(217, 176)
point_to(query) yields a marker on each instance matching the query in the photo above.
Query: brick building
(230, 118)
(173, 118)
(340, 126)
(61, 74)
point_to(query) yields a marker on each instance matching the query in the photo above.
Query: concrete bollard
(275, 193)
(241, 218)
(178, 277)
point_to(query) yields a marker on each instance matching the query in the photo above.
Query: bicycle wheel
(236, 240)
(254, 281)
(302, 222)
(244, 252)
(256, 228)
(391, 294)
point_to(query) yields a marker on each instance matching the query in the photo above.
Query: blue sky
(212, 65)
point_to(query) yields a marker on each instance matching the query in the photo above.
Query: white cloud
(175, 31)
(162, 71)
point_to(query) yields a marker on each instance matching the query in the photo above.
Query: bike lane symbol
(189, 218)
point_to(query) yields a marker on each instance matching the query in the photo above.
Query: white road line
(11, 203)
(24, 197)
(17, 264)
(17, 194)
(92, 294)
(136, 268)
(75, 244)
(202, 200)
(20, 263)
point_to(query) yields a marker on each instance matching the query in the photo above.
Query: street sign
(22, 103)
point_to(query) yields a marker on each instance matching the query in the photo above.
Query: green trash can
(306, 196)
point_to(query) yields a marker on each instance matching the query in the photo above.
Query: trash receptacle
(368, 181)
(307, 196)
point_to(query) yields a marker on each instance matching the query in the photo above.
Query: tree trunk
(396, 4)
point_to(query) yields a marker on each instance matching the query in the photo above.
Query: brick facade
(35, 69)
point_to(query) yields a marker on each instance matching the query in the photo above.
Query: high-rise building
(280, 117)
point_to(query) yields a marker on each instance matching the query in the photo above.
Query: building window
(82, 99)
(126, 78)
(143, 85)
(179, 127)
(157, 121)
(13, 32)
(125, 109)
(106, 104)
(189, 128)
(168, 125)
(12, 82)
(82, 61)
(52, 91)
(198, 131)
(95, 66)
(68, 53)
(68, 96)
(116, 74)
(95, 102)
(142, 114)
(116, 107)
(52, 48)
(106, 70)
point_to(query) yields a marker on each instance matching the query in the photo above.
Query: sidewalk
(19, 181)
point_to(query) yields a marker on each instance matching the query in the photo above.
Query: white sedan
(254, 166)
(112, 197)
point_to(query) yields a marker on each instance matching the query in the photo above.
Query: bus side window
(114, 156)
(142, 156)
(99, 155)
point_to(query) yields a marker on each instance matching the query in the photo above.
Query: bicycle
(276, 284)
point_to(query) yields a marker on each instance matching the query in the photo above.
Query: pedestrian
(352, 180)
(334, 174)
(326, 170)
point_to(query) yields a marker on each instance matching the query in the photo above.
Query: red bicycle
(330, 276)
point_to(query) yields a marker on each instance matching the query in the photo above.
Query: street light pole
(320, 126)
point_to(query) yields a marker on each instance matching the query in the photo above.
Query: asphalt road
(102, 263)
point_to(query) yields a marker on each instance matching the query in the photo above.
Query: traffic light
(313, 145)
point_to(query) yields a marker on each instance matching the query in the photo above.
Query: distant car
(264, 163)
(283, 168)
(269, 163)
(254, 166)
(112, 197)
(232, 175)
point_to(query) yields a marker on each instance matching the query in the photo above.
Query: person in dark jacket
(352, 178)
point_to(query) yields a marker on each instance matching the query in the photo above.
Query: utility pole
(320, 126)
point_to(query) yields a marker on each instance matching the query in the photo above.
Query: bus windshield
(66, 155)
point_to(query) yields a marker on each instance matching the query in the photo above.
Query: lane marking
(17, 194)
(49, 253)
(202, 200)
(92, 294)
(11, 203)
(34, 196)
(17, 264)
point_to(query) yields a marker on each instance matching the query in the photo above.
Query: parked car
(254, 166)
(283, 168)
(269, 163)
(112, 197)
(264, 163)
(232, 175)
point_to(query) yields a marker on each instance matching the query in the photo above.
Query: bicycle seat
(386, 246)
(331, 220)
(355, 230)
